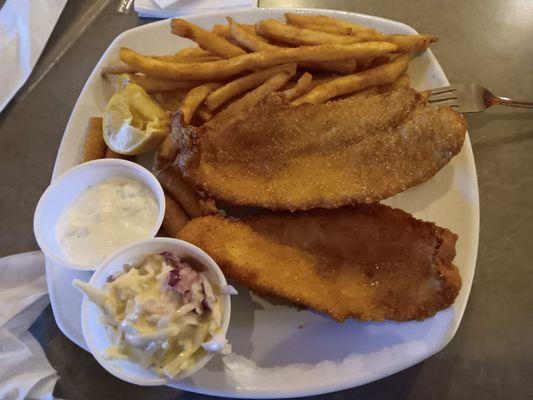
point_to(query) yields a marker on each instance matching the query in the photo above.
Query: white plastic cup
(70, 185)
(94, 332)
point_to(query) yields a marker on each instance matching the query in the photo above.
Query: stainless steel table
(482, 41)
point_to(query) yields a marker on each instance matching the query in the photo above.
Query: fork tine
(443, 89)
(443, 96)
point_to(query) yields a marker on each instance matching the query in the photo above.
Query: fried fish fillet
(369, 262)
(327, 155)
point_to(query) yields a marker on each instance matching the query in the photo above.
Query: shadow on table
(77, 380)
(397, 386)
(477, 122)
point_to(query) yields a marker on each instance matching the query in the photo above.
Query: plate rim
(286, 393)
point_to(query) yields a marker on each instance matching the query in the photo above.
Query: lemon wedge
(133, 122)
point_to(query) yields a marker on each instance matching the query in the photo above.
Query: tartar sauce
(160, 313)
(105, 217)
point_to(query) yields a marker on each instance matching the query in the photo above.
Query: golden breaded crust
(369, 262)
(326, 155)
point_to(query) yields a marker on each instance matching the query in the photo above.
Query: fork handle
(504, 101)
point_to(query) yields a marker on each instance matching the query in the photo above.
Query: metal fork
(470, 98)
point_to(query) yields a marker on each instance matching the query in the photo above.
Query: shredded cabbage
(160, 313)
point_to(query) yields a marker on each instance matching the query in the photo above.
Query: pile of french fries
(308, 59)
(322, 57)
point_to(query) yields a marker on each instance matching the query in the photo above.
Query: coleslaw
(160, 313)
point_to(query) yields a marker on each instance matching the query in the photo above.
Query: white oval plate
(279, 351)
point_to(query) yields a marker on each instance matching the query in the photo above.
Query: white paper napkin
(25, 26)
(175, 8)
(25, 373)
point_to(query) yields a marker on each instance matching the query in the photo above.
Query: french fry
(206, 40)
(244, 84)
(408, 43)
(187, 59)
(221, 30)
(256, 95)
(94, 147)
(179, 189)
(338, 67)
(365, 63)
(323, 28)
(253, 42)
(248, 38)
(194, 52)
(320, 79)
(165, 155)
(167, 152)
(365, 34)
(341, 27)
(405, 43)
(175, 217)
(217, 70)
(402, 82)
(300, 87)
(355, 82)
(363, 93)
(155, 85)
(194, 98)
(225, 31)
(117, 67)
(159, 165)
(377, 61)
(274, 30)
(237, 44)
(203, 113)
